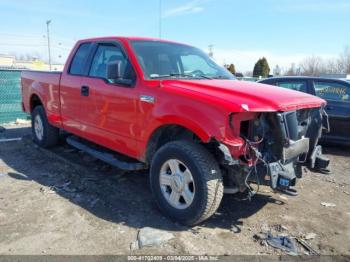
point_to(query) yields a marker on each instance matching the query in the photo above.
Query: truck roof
(128, 38)
(303, 77)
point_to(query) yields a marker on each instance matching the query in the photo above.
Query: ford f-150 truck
(140, 103)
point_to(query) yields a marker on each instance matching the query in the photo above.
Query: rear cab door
(337, 95)
(76, 110)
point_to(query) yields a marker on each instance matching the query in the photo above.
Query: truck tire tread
(51, 133)
(210, 172)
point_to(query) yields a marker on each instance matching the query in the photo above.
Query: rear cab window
(332, 91)
(77, 66)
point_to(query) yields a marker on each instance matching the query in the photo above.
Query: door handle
(84, 91)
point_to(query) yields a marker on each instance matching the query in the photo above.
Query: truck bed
(44, 85)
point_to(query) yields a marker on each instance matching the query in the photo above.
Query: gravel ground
(62, 201)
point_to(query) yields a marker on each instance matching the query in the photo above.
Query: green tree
(261, 68)
(232, 69)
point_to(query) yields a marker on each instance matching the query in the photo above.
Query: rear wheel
(44, 134)
(186, 182)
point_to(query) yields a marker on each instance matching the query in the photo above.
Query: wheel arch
(171, 132)
(35, 101)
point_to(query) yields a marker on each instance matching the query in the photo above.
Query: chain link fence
(10, 96)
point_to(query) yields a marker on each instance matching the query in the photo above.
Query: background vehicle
(337, 94)
(170, 108)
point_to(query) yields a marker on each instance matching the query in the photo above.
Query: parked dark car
(337, 94)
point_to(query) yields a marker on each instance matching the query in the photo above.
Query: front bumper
(273, 148)
(295, 149)
(283, 174)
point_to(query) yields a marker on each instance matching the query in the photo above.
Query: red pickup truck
(140, 103)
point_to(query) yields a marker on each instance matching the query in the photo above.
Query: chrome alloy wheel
(177, 184)
(38, 127)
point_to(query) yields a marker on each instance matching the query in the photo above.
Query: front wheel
(186, 182)
(44, 134)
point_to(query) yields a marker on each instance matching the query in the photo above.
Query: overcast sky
(284, 31)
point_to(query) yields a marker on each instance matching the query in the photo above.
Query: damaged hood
(242, 96)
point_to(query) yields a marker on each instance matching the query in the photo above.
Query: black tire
(50, 133)
(206, 176)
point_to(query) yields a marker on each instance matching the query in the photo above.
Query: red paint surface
(114, 116)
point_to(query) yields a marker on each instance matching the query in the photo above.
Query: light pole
(48, 41)
(160, 18)
(211, 52)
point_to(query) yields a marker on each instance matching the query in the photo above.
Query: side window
(106, 54)
(294, 85)
(78, 61)
(269, 82)
(332, 91)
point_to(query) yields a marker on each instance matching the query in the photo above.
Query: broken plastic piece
(312, 251)
(318, 161)
(289, 191)
(321, 162)
(282, 242)
(10, 139)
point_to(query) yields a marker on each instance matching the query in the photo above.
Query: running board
(104, 156)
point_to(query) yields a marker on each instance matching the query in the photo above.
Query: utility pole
(48, 41)
(211, 52)
(160, 18)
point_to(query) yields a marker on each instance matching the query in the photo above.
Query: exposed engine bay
(277, 145)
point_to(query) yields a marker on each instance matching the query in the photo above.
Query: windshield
(168, 60)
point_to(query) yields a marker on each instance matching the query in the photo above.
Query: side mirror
(116, 76)
(114, 70)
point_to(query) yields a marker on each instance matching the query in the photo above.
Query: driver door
(115, 109)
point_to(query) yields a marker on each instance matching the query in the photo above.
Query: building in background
(10, 62)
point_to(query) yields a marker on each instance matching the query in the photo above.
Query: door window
(294, 85)
(106, 54)
(332, 91)
(79, 59)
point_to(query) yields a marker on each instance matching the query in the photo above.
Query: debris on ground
(134, 245)
(68, 187)
(309, 236)
(283, 197)
(311, 251)
(265, 228)
(280, 228)
(69, 150)
(148, 236)
(47, 190)
(328, 204)
(22, 121)
(330, 180)
(10, 139)
(282, 242)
